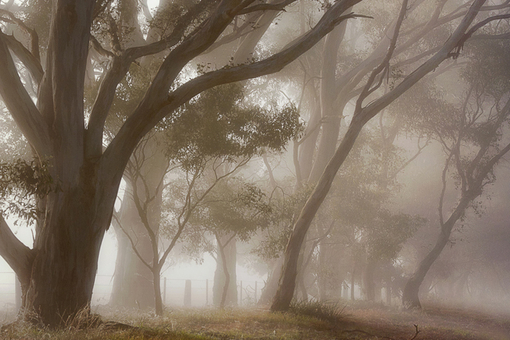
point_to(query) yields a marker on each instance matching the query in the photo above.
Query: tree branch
(150, 112)
(27, 58)
(18, 256)
(475, 28)
(20, 105)
(34, 37)
(444, 53)
(280, 6)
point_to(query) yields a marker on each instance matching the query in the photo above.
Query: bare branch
(133, 244)
(444, 53)
(383, 67)
(475, 28)
(280, 6)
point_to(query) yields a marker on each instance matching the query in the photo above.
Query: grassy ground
(305, 322)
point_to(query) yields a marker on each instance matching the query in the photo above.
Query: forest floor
(360, 321)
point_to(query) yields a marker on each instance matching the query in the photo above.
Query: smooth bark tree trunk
(132, 283)
(225, 278)
(133, 279)
(331, 111)
(66, 254)
(158, 301)
(369, 285)
(287, 282)
(271, 286)
(410, 295)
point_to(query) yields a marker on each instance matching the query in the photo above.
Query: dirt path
(433, 323)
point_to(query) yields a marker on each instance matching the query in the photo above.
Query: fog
(226, 163)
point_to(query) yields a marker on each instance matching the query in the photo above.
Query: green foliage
(219, 124)
(276, 235)
(387, 234)
(20, 183)
(235, 206)
(489, 66)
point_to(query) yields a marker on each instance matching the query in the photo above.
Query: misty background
(383, 215)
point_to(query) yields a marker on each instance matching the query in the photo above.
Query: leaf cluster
(219, 124)
(20, 183)
(276, 235)
(238, 207)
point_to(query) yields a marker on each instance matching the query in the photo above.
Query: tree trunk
(66, 255)
(331, 111)
(271, 286)
(132, 286)
(368, 281)
(287, 282)
(225, 285)
(158, 300)
(410, 298)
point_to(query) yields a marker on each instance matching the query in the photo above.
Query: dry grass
(358, 321)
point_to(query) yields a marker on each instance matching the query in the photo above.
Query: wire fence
(175, 292)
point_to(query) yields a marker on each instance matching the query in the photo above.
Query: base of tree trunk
(410, 299)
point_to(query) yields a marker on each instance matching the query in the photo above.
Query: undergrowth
(327, 311)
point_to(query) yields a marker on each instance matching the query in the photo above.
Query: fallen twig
(415, 334)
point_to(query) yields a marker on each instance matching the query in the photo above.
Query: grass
(304, 321)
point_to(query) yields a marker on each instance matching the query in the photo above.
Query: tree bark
(225, 285)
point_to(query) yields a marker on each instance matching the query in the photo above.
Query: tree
(57, 275)
(236, 209)
(362, 114)
(473, 138)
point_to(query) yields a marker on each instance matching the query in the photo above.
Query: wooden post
(256, 292)
(187, 294)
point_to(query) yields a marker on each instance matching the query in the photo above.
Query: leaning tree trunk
(271, 284)
(287, 284)
(410, 298)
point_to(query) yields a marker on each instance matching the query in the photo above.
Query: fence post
(187, 294)
(255, 292)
